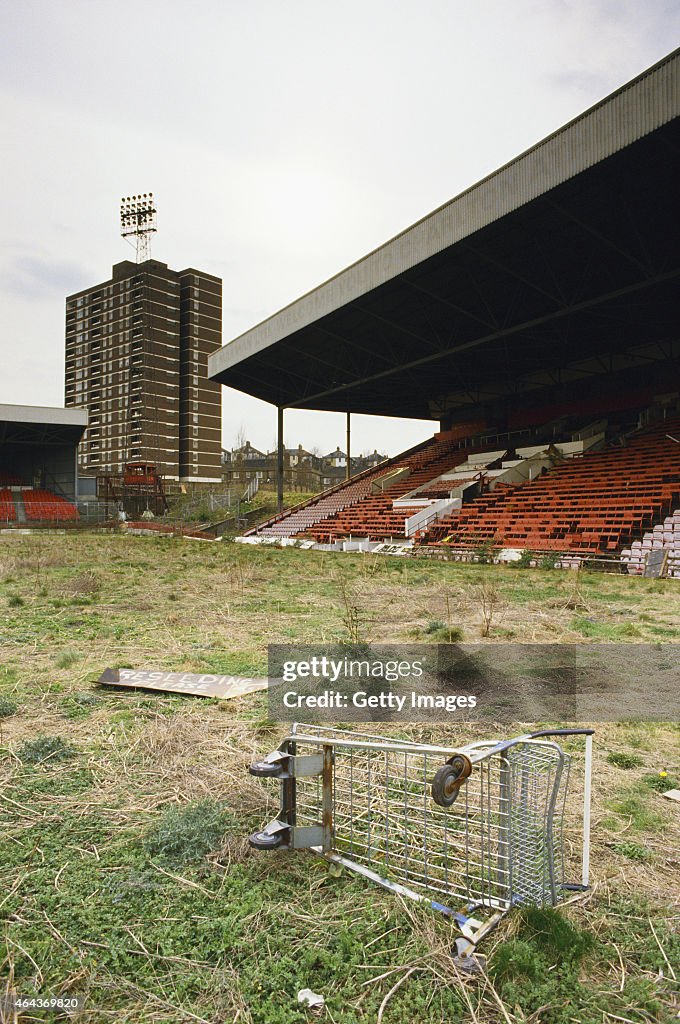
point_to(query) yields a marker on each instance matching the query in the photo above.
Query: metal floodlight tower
(138, 221)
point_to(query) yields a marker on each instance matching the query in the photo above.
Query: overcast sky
(282, 141)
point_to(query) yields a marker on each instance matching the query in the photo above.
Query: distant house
(337, 459)
(247, 452)
(295, 456)
(372, 460)
(243, 464)
(303, 471)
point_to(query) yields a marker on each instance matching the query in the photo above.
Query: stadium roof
(562, 265)
(41, 424)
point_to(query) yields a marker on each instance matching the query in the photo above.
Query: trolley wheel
(265, 840)
(446, 786)
(266, 769)
(448, 780)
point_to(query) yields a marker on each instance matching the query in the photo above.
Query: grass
(635, 806)
(126, 874)
(621, 759)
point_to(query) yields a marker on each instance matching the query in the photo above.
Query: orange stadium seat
(42, 505)
(597, 502)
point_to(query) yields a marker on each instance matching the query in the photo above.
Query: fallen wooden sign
(205, 685)
(655, 566)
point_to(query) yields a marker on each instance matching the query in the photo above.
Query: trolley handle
(561, 732)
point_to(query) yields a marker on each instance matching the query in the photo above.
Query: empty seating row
(327, 505)
(596, 502)
(304, 518)
(8, 512)
(45, 505)
(374, 516)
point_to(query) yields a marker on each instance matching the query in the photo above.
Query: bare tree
(240, 439)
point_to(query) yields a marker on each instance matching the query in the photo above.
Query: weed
(516, 958)
(67, 658)
(45, 748)
(16, 601)
(522, 967)
(595, 630)
(86, 584)
(354, 618)
(660, 783)
(555, 933)
(78, 705)
(486, 553)
(633, 851)
(7, 707)
(187, 833)
(441, 633)
(622, 760)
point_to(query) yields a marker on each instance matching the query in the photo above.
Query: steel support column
(279, 458)
(348, 469)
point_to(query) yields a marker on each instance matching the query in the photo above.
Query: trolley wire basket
(479, 827)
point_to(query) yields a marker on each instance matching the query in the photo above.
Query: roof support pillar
(279, 458)
(348, 467)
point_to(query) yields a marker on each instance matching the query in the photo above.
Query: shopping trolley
(473, 830)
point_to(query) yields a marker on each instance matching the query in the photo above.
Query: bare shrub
(355, 618)
(86, 584)
(488, 596)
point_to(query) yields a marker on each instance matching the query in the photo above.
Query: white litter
(311, 999)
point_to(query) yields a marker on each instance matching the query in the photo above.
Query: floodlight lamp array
(137, 214)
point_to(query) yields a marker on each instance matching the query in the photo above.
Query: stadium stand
(47, 506)
(8, 512)
(665, 535)
(336, 499)
(374, 516)
(364, 505)
(309, 515)
(579, 502)
(597, 502)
